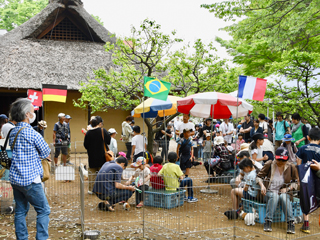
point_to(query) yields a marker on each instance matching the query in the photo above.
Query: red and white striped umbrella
(212, 104)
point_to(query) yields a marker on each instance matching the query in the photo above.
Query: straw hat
(43, 123)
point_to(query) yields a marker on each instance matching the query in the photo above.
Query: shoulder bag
(5, 161)
(46, 170)
(108, 154)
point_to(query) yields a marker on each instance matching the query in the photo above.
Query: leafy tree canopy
(15, 12)
(280, 39)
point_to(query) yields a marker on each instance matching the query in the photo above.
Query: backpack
(284, 126)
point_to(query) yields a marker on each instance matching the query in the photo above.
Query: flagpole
(165, 136)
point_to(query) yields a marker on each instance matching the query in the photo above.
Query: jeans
(129, 148)
(206, 156)
(33, 194)
(200, 151)
(187, 182)
(273, 199)
(120, 195)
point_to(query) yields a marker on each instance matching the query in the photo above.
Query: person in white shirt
(227, 130)
(262, 123)
(7, 127)
(139, 144)
(113, 143)
(185, 125)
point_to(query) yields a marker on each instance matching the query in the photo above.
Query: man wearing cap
(277, 180)
(61, 139)
(113, 143)
(41, 126)
(7, 127)
(227, 130)
(246, 128)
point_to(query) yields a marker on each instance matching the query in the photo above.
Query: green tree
(280, 39)
(15, 12)
(134, 57)
(200, 71)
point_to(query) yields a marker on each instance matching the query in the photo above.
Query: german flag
(54, 93)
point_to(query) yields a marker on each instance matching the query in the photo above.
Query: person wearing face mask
(26, 170)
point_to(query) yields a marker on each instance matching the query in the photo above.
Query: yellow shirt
(171, 173)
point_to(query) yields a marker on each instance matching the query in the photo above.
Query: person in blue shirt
(185, 151)
(256, 129)
(309, 153)
(108, 185)
(26, 170)
(281, 127)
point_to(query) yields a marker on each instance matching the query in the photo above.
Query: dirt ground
(201, 220)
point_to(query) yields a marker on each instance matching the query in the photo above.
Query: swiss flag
(35, 97)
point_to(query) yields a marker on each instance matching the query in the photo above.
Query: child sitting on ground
(156, 181)
(172, 174)
(142, 179)
(250, 189)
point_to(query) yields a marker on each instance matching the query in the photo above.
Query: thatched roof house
(60, 45)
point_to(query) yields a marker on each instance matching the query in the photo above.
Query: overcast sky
(185, 16)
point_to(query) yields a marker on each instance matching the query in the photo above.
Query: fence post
(82, 200)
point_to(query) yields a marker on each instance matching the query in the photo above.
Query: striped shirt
(29, 149)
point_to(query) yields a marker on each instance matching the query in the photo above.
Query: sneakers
(305, 229)
(90, 192)
(267, 226)
(192, 200)
(291, 228)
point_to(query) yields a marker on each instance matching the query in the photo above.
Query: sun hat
(122, 154)
(140, 161)
(217, 125)
(43, 123)
(218, 140)
(112, 131)
(287, 138)
(282, 153)
(244, 147)
(61, 115)
(230, 148)
(208, 134)
(68, 117)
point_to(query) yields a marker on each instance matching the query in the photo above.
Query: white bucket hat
(112, 131)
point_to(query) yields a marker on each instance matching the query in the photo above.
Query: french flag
(252, 88)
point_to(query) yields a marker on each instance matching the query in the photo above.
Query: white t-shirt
(258, 151)
(267, 146)
(142, 174)
(113, 146)
(139, 143)
(263, 125)
(183, 126)
(6, 128)
(226, 128)
(176, 124)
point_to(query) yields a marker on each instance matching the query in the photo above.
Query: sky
(185, 16)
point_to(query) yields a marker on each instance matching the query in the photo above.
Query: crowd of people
(221, 146)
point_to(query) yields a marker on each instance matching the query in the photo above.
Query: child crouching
(172, 174)
(142, 179)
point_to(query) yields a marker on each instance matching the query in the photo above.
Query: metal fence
(74, 210)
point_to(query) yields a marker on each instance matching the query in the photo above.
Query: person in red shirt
(156, 181)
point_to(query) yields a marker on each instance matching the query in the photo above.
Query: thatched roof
(27, 62)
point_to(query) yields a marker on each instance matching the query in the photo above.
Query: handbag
(108, 154)
(5, 161)
(46, 170)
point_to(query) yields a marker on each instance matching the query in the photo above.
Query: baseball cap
(68, 117)
(112, 131)
(61, 115)
(3, 116)
(282, 153)
(140, 161)
(287, 138)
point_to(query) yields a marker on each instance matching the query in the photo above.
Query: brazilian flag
(156, 88)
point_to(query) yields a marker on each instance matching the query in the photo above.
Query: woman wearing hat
(278, 179)
(256, 151)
